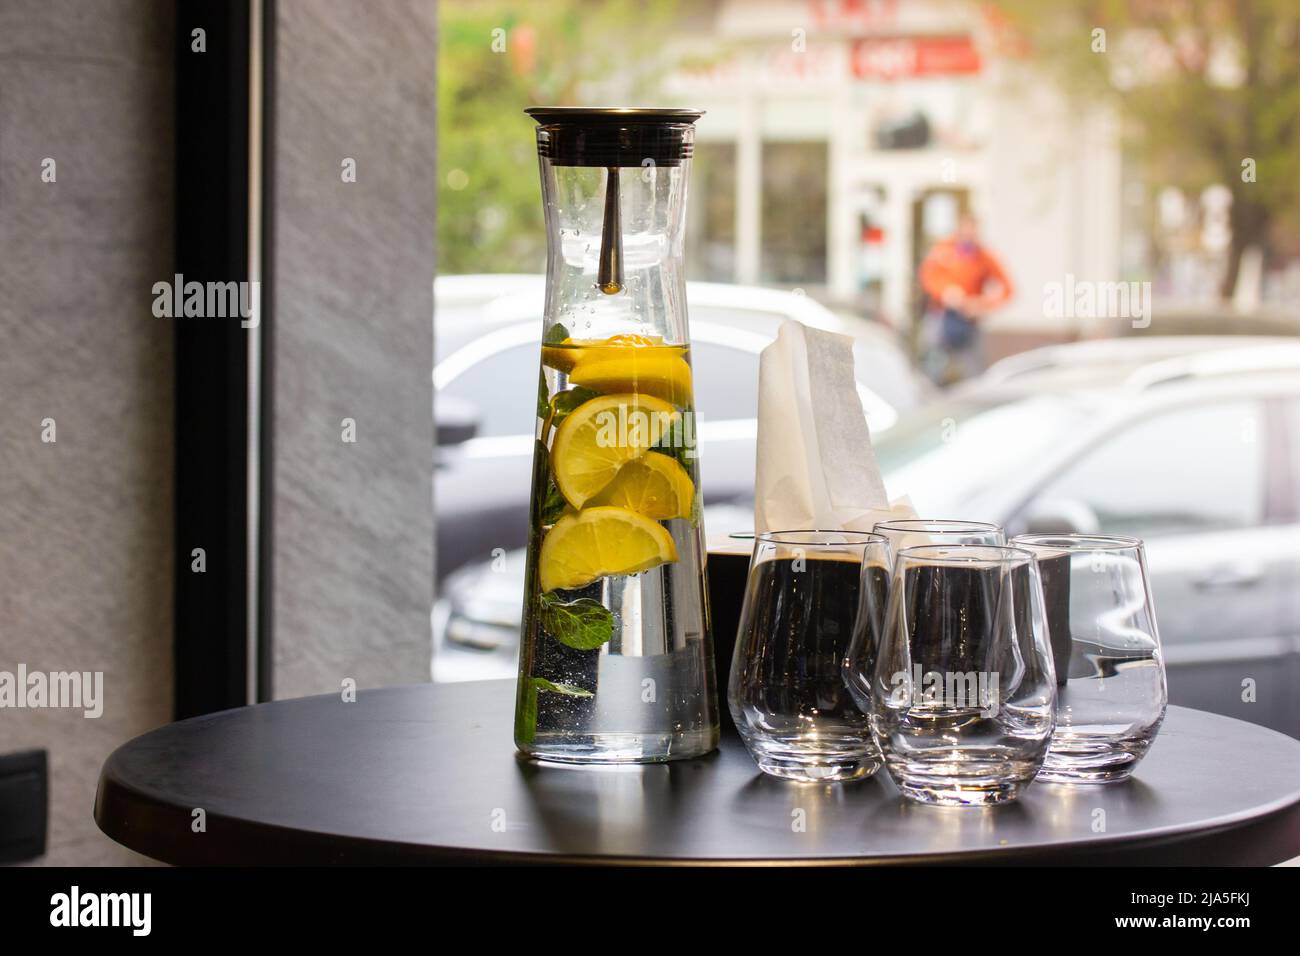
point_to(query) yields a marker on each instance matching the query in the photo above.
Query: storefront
(843, 137)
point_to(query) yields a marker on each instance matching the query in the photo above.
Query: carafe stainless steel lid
(548, 115)
(614, 136)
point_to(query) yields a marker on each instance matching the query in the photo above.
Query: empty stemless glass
(786, 693)
(1110, 671)
(916, 532)
(962, 693)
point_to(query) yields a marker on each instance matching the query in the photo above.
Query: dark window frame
(223, 415)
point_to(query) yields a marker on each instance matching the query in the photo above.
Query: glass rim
(959, 555)
(1077, 543)
(938, 525)
(781, 537)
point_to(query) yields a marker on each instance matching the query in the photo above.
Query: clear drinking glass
(615, 656)
(963, 691)
(916, 532)
(786, 694)
(1110, 671)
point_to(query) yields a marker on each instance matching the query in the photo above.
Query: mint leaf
(555, 335)
(547, 508)
(553, 504)
(565, 402)
(526, 712)
(543, 408)
(673, 443)
(569, 690)
(541, 479)
(583, 624)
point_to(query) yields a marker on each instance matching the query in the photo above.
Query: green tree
(1209, 90)
(496, 59)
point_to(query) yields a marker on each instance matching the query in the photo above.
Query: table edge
(121, 811)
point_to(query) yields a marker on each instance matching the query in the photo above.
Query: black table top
(429, 774)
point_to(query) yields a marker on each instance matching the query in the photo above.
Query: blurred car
(485, 380)
(1184, 321)
(1191, 444)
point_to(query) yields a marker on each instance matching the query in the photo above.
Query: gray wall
(353, 522)
(85, 522)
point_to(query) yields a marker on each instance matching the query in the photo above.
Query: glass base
(1083, 761)
(621, 748)
(972, 794)
(818, 761)
(817, 767)
(962, 780)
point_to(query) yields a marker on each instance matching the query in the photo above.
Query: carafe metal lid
(614, 136)
(552, 115)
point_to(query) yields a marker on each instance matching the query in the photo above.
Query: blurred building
(844, 136)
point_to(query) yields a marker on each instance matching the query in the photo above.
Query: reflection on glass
(1109, 665)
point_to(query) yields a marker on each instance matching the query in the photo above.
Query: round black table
(429, 774)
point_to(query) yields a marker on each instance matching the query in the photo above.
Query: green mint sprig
(583, 624)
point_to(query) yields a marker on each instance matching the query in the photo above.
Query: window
(501, 390)
(711, 244)
(1195, 469)
(794, 212)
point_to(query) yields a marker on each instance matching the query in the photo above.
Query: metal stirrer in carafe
(609, 276)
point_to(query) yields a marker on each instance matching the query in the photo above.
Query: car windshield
(949, 454)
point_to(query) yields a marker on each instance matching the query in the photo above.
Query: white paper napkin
(816, 468)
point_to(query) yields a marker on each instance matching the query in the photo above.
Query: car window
(726, 382)
(947, 454)
(502, 389)
(1194, 469)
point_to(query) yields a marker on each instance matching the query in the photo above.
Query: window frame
(224, 205)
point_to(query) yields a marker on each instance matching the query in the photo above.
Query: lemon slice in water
(597, 542)
(661, 371)
(600, 436)
(654, 485)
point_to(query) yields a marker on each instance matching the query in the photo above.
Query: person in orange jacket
(964, 282)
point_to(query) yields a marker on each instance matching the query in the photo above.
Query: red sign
(853, 13)
(893, 58)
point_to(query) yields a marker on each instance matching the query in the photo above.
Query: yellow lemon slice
(598, 542)
(654, 485)
(661, 371)
(564, 355)
(600, 436)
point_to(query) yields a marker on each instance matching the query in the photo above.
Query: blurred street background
(1065, 236)
(843, 138)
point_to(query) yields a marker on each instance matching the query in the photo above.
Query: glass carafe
(616, 657)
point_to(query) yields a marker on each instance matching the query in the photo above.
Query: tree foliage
(497, 58)
(1204, 86)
